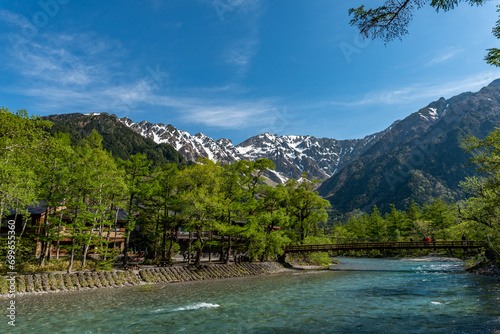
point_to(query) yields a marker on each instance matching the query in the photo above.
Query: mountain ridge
(292, 155)
(420, 159)
(415, 159)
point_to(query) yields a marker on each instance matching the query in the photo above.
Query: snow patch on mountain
(292, 155)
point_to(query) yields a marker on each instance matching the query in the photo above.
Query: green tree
(200, 194)
(234, 184)
(165, 204)
(273, 220)
(377, 227)
(441, 217)
(395, 223)
(22, 139)
(54, 179)
(483, 206)
(95, 188)
(137, 171)
(244, 193)
(412, 215)
(305, 206)
(357, 226)
(390, 21)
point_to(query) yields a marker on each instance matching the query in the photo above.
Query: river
(361, 296)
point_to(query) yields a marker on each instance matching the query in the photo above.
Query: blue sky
(236, 68)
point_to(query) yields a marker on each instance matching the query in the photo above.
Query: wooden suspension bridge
(359, 246)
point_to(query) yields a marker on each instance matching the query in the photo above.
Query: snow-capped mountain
(191, 147)
(319, 157)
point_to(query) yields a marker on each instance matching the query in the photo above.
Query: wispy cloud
(14, 19)
(419, 91)
(228, 113)
(79, 60)
(241, 54)
(62, 73)
(444, 56)
(243, 17)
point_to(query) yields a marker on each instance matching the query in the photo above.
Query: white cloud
(14, 19)
(442, 57)
(218, 112)
(79, 60)
(79, 73)
(419, 91)
(241, 54)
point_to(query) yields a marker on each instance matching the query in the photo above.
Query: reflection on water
(364, 296)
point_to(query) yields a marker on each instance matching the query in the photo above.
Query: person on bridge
(464, 238)
(428, 239)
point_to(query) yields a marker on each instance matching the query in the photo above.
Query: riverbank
(485, 267)
(60, 282)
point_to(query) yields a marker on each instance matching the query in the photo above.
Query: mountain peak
(495, 83)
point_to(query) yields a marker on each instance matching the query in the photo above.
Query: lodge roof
(41, 207)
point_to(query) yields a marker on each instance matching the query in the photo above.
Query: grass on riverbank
(52, 265)
(322, 259)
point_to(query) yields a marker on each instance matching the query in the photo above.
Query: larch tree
(137, 171)
(96, 186)
(200, 194)
(54, 181)
(21, 138)
(165, 203)
(483, 205)
(305, 205)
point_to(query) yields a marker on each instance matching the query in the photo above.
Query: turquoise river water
(361, 296)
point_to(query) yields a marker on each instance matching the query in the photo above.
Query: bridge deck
(354, 246)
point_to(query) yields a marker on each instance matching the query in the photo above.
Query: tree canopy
(391, 20)
(483, 207)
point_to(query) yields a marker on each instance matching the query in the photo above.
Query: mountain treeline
(83, 188)
(118, 139)
(475, 218)
(420, 158)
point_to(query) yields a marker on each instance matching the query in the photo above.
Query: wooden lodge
(31, 225)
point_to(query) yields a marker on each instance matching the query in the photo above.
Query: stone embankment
(55, 282)
(485, 268)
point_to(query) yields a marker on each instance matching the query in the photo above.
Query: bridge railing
(385, 245)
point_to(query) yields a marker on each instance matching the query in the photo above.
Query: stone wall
(53, 282)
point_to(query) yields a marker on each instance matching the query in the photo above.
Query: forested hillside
(117, 138)
(420, 159)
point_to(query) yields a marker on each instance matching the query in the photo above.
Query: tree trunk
(172, 240)
(59, 236)
(164, 240)
(221, 255)
(24, 227)
(229, 249)
(43, 234)
(189, 247)
(200, 249)
(128, 230)
(156, 242)
(85, 250)
(72, 257)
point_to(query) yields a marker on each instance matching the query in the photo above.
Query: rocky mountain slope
(319, 157)
(416, 159)
(420, 158)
